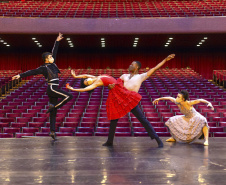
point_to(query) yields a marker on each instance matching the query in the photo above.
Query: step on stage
(83, 160)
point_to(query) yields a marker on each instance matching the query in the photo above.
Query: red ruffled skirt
(121, 101)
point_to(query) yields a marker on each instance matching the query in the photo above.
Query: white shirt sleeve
(144, 76)
(122, 77)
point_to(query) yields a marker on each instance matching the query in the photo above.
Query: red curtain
(203, 63)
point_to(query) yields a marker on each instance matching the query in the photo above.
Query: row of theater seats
(6, 82)
(112, 8)
(22, 113)
(219, 77)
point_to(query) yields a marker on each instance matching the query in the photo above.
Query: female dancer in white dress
(190, 126)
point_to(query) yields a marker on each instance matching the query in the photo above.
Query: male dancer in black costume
(50, 72)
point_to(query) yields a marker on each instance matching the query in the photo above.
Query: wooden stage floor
(131, 161)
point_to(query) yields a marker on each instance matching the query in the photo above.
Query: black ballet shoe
(160, 143)
(51, 108)
(53, 135)
(107, 144)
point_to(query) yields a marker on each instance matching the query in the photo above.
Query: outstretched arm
(56, 45)
(193, 102)
(164, 98)
(151, 71)
(88, 88)
(29, 73)
(81, 76)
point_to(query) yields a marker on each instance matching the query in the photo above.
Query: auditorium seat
(112, 9)
(6, 135)
(86, 115)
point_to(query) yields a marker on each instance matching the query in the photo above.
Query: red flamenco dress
(120, 100)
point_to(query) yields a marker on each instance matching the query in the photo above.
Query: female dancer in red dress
(120, 101)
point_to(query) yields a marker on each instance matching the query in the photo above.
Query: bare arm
(88, 88)
(193, 102)
(164, 98)
(151, 71)
(81, 76)
(96, 84)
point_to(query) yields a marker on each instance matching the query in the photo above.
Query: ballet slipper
(206, 143)
(170, 140)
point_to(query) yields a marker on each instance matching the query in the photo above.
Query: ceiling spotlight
(68, 38)
(71, 46)
(136, 38)
(33, 38)
(69, 41)
(134, 45)
(8, 45)
(36, 41)
(168, 42)
(102, 41)
(1, 40)
(102, 38)
(201, 42)
(5, 43)
(39, 45)
(136, 41)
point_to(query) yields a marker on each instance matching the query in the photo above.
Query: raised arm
(81, 76)
(164, 98)
(29, 73)
(56, 45)
(152, 70)
(193, 102)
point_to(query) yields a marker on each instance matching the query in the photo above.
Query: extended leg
(53, 101)
(65, 97)
(111, 134)
(147, 125)
(206, 135)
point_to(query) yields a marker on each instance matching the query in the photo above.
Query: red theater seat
(6, 135)
(11, 129)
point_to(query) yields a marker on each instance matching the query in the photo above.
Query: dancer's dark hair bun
(82, 85)
(185, 94)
